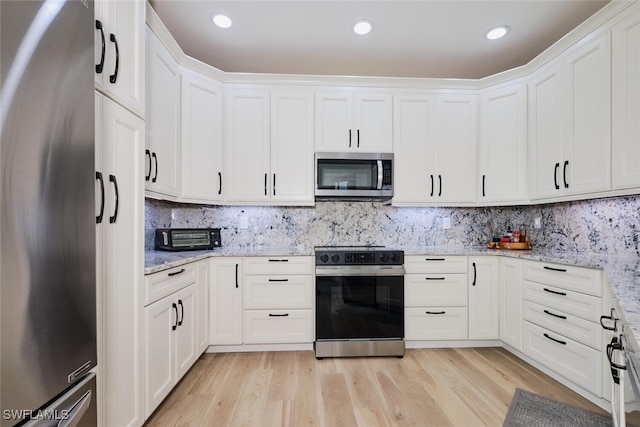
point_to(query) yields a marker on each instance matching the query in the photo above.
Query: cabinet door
(511, 302)
(123, 72)
(456, 149)
(586, 163)
(161, 320)
(185, 342)
(414, 138)
(484, 301)
(373, 120)
(122, 294)
(202, 307)
(292, 147)
(225, 303)
(625, 111)
(163, 118)
(201, 139)
(546, 118)
(246, 145)
(334, 120)
(502, 146)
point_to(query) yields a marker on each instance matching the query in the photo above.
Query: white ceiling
(436, 38)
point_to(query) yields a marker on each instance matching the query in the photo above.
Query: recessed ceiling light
(362, 27)
(222, 21)
(497, 32)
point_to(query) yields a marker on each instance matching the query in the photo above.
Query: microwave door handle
(379, 187)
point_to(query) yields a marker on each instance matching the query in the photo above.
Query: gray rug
(530, 410)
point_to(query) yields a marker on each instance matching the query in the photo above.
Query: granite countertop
(622, 272)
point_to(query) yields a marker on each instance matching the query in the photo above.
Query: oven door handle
(356, 270)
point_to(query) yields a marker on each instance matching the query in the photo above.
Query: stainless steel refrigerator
(47, 213)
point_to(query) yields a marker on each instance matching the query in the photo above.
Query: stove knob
(324, 258)
(384, 257)
(335, 258)
(395, 258)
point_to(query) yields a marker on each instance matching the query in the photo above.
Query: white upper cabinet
(435, 149)
(119, 52)
(163, 120)
(246, 146)
(269, 147)
(626, 103)
(347, 121)
(502, 146)
(292, 148)
(570, 122)
(202, 161)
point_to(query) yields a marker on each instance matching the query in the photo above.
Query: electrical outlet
(446, 223)
(537, 222)
(244, 222)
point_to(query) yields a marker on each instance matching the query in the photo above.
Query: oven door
(359, 304)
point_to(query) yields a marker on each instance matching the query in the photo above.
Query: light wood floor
(428, 387)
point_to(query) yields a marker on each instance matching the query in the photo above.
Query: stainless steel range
(359, 302)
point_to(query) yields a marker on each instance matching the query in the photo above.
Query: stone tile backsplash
(608, 225)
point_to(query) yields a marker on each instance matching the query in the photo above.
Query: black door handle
(561, 270)
(278, 280)
(434, 278)
(555, 176)
(274, 184)
(564, 173)
(432, 185)
(556, 340)
(147, 153)
(181, 311)
(555, 315)
(155, 177)
(358, 133)
(435, 312)
(349, 138)
(100, 66)
(265, 184)
(113, 219)
(175, 325)
(114, 77)
(475, 274)
(237, 284)
(440, 181)
(564, 294)
(484, 177)
(101, 214)
(175, 273)
(219, 182)
(434, 259)
(278, 315)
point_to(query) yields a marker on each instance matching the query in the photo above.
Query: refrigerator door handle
(76, 412)
(113, 219)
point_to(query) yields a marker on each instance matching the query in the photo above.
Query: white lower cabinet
(484, 320)
(561, 329)
(225, 301)
(175, 318)
(170, 338)
(511, 302)
(576, 362)
(436, 295)
(278, 300)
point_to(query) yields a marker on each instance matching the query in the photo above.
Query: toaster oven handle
(379, 187)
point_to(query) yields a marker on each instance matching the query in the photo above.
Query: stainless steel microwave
(354, 176)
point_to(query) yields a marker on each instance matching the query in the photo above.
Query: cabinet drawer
(278, 292)
(436, 323)
(435, 290)
(159, 285)
(435, 264)
(578, 279)
(583, 331)
(278, 265)
(278, 326)
(585, 306)
(574, 361)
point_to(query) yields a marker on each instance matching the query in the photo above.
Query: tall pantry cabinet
(120, 138)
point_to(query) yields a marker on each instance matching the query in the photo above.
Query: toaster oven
(187, 239)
